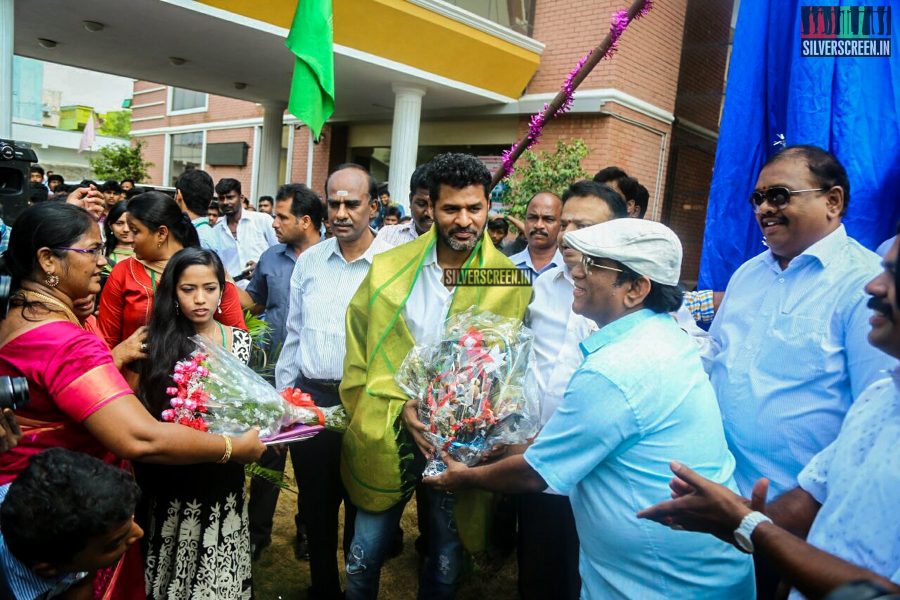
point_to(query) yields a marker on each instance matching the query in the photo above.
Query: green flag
(312, 86)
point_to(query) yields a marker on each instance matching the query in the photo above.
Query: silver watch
(745, 530)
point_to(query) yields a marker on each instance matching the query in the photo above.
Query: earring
(177, 306)
(52, 280)
(219, 307)
(159, 244)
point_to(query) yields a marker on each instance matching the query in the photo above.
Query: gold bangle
(227, 456)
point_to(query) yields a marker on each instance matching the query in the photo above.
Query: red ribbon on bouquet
(298, 397)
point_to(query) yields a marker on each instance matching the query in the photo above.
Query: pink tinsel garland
(618, 23)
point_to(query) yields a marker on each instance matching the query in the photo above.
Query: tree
(116, 124)
(121, 161)
(547, 171)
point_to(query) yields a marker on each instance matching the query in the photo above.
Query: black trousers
(264, 496)
(318, 472)
(547, 548)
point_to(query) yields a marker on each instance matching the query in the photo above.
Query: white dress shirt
(254, 236)
(856, 479)
(391, 236)
(322, 285)
(428, 302)
(557, 333)
(523, 261)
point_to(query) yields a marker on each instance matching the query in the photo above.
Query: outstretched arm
(701, 505)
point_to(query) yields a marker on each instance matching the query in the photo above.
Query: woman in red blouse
(160, 230)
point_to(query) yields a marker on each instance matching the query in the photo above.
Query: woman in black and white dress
(197, 542)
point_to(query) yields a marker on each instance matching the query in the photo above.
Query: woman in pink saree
(79, 400)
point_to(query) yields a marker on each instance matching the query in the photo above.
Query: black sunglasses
(778, 196)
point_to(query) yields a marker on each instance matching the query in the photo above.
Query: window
(186, 152)
(183, 101)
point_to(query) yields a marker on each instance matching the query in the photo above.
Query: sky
(90, 88)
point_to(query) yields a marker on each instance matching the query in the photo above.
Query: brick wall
(243, 174)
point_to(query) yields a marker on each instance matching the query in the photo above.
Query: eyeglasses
(587, 262)
(778, 196)
(97, 252)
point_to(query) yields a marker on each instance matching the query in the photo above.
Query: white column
(404, 140)
(7, 34)
(269, 150)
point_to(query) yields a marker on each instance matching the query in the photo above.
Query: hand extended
(88, 198)
(246, 448)
(698, 504)
(450, 480)
(10, 433)
(416, 428)
(132, 349)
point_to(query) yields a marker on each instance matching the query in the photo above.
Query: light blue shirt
(792, 356)
(205, 233)
(857, 481)
(523, 261)
(639, 400)
(22, 581)
(882, 250)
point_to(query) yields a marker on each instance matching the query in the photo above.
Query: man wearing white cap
(639, 399)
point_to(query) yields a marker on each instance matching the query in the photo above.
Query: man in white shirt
(420, 208)
(324, 280)
(541, 232)
(846, 501)
(548, 541)
(243, 235)
(404, 301)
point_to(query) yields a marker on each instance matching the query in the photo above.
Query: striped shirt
(22, 581)
(700, 305)
(394, 235)
(322, 285)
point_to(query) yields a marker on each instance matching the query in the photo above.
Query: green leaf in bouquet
(272, 476)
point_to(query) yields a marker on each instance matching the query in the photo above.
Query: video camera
(13, 390)
(15, 186)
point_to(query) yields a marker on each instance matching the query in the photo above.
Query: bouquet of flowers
(470, 386)
(214, 391)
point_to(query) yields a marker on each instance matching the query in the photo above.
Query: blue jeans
(372, 538)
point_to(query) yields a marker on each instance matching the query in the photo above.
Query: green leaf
(272, 476)
(121, 162)
(544, 172)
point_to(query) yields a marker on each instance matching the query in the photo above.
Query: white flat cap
(646, 247)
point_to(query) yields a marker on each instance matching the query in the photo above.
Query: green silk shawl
(377, 451)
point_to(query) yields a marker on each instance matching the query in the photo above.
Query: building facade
(652, 110)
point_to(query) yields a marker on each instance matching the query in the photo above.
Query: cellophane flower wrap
(214, 391)
(470, 386)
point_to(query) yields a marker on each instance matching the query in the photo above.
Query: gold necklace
(70, 316)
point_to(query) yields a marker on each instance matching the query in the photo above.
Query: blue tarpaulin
(848, 105)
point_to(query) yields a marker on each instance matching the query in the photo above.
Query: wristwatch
(745, 530)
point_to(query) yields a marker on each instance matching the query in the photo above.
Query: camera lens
(13, 392)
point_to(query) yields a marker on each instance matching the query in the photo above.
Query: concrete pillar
(7, 34)
(404, 139)
(269, 150)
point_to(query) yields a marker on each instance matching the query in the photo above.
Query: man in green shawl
(403, 302)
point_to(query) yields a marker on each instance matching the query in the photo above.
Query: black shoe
(256, 549)
(301, 550)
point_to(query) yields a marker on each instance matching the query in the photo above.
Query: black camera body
(13, 390)
(16, 159)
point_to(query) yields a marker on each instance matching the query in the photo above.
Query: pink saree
(70, 375)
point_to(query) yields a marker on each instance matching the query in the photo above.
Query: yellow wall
(403, 32)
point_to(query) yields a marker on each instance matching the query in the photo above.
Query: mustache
(463, 230)
(877, 304)
(538, 232)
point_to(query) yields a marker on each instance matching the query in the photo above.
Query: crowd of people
(734, 443)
